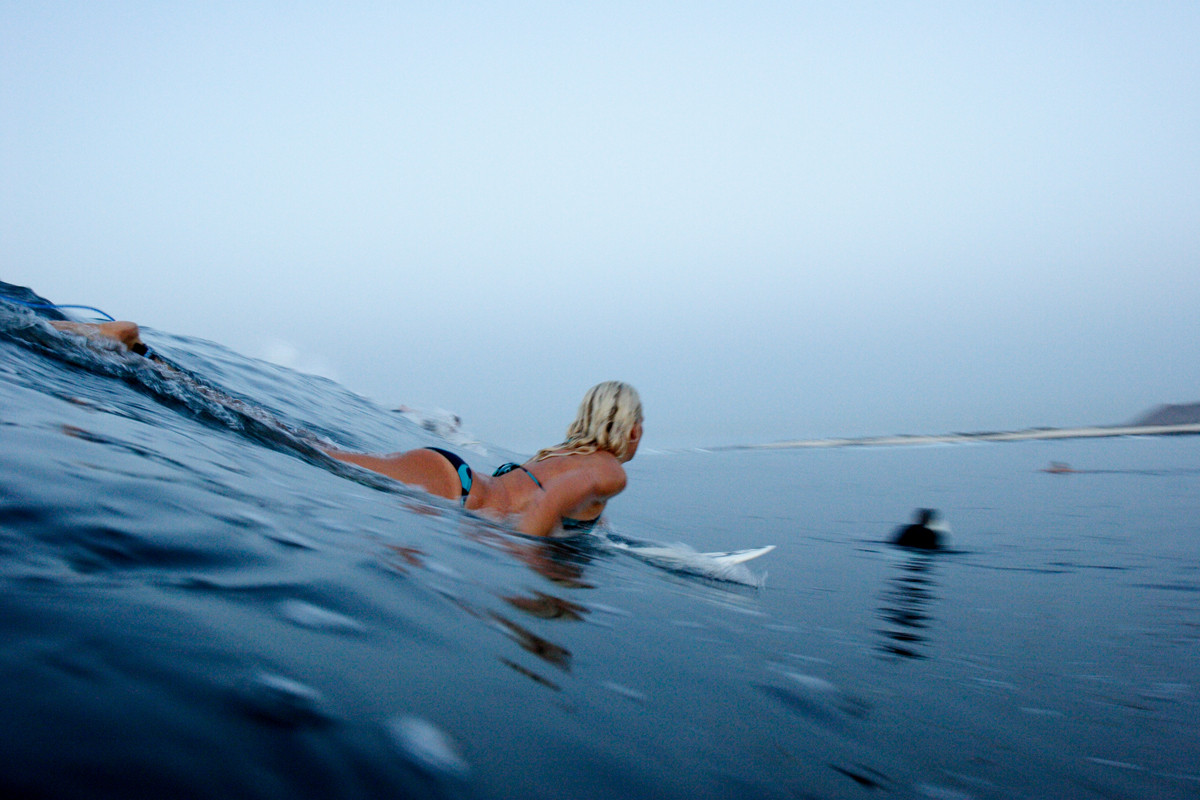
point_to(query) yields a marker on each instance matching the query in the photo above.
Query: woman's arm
(568, 492)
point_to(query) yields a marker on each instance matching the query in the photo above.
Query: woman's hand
(122, 332)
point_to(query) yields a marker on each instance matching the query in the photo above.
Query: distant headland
(1185, 414)
(1159, 421)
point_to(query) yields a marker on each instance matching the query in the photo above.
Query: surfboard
(680, 558)
(658, 550)
(740, 556)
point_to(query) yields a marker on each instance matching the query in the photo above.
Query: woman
(561, 490)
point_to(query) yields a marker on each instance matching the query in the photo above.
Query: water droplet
(624, 691)
(428, 746)
(1040, 712)
(282, 700)
(307, 615)
(942, 792)
(1104, 762)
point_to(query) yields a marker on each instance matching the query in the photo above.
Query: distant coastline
(1164, 420)
(1181, 414)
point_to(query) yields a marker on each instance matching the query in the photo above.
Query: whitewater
(196, 602)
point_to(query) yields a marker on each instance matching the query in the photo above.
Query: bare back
(544, 493)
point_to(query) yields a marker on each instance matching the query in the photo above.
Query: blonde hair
(606, 418)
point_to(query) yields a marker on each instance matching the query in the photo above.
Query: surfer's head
(609, 418)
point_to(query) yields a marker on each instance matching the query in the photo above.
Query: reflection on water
(546, 606)
(560, 562)
(905, 604)
(540, 646)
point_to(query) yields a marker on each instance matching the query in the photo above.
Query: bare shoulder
(605, 471)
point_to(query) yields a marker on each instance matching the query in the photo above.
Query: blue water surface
(196, 603)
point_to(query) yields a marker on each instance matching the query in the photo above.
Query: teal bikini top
(504, 469)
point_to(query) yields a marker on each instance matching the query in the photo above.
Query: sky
(777, 220)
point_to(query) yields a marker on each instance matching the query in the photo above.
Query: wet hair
(606, 418)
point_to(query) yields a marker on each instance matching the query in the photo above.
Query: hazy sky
(778, 220)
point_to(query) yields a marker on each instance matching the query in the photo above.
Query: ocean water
(195, 603)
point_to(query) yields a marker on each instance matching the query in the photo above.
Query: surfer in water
(925, 533)
(560, 491)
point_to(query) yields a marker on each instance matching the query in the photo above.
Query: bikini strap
(533, 478)
(504, 469)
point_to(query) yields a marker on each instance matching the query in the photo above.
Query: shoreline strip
(1093, 432)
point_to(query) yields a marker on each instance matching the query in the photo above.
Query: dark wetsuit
(919, 535)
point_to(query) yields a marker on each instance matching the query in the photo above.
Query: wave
(196, 601)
